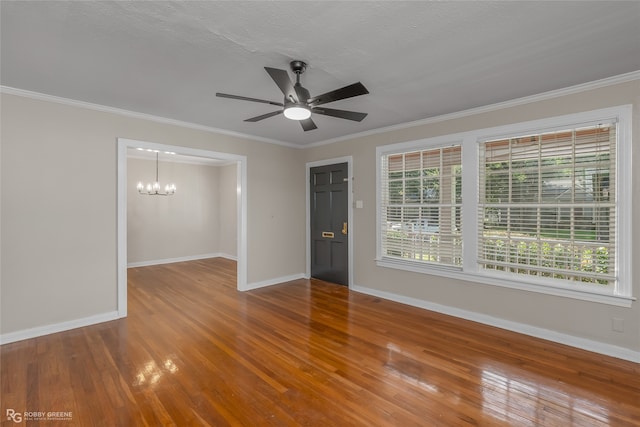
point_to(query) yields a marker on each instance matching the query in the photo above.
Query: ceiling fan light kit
(296, 112)
(298, 104)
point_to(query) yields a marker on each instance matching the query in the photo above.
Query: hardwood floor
(194, 351)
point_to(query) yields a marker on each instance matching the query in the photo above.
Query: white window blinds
(547, 205)
(421, 200)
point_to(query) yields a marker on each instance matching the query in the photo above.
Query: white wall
(527, 311)
(58, 200)
(187, 224)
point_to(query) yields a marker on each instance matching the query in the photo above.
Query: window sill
(487, 279)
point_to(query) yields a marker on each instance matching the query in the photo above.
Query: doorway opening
(124, 146)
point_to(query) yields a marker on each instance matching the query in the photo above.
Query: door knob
(344, 228)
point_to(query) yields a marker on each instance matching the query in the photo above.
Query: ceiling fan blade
(308, 125)
(244, 98)
(303, 93)
(350, 91)
(284, 83)
(342, 114)
(264, 116)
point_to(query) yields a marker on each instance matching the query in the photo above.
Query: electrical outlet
(617, 324)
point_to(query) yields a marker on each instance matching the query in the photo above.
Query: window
(542, 206)
(421, 201)
(547, 204)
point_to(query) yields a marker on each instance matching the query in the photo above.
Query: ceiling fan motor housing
(298, 67)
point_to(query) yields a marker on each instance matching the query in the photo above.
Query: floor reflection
(151, 372)
(524, 401)
(399, 364)
(506, 394)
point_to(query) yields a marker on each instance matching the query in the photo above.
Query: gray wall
(199, 220)
(58, 251)
(581, 319)
(228, 212)
(58, 208)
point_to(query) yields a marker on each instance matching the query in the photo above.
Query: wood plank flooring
(195, 352)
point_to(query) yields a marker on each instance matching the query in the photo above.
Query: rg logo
(13, 415)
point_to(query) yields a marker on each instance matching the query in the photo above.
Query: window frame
(438, 205)
(619, 294)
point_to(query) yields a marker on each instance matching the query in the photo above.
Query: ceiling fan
(298, 104)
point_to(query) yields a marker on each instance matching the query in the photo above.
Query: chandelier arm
(154, 189)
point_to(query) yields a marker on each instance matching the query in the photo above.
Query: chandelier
(155, 188)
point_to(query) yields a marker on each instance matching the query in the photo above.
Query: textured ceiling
(418, 59)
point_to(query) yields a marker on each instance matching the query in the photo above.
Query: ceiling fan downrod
(298, 67)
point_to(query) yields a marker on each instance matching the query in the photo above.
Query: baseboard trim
(570, 340)
(57, 327)
(181, 259)
(270, 282)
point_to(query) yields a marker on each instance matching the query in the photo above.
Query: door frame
(121, 195)
(349, 161)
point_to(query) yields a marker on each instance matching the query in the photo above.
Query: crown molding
(583, 87)
(133, 114)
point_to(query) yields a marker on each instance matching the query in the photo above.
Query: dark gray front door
(329, 224)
